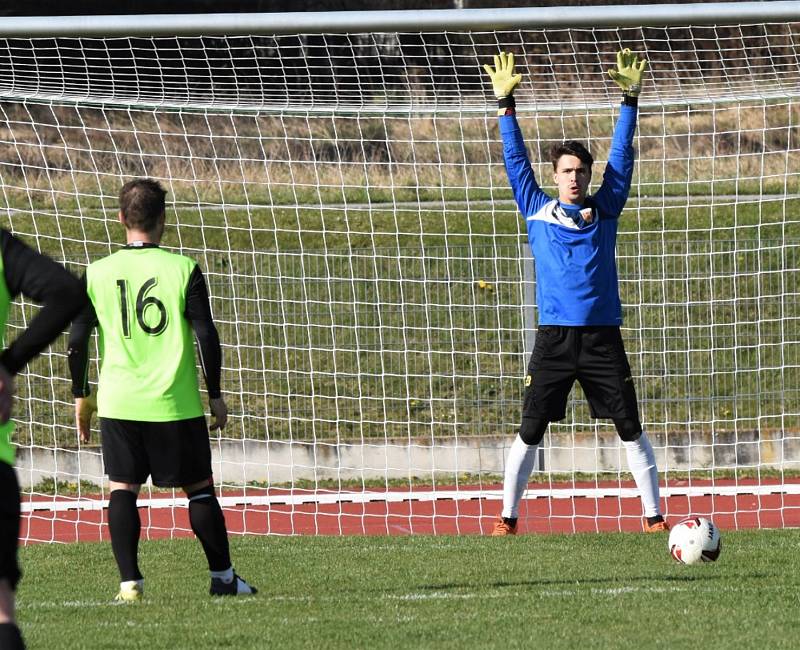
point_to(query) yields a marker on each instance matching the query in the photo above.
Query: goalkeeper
(572, 238)
(147, 302)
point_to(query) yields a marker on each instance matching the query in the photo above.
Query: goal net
(343, 190)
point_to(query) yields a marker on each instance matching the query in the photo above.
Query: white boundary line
(62, 504)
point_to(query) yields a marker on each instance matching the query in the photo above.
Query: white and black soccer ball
(694, 540)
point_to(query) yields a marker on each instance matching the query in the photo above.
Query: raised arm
(613, 192)
(527, 193)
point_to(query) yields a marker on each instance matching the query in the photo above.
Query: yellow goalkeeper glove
(504, 81)
(628, 75)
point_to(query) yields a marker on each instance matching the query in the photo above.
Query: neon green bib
(7, 450)
(147, 368)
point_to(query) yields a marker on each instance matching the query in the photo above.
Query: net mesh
(346, 198)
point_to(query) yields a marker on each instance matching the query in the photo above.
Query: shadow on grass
(594, 581)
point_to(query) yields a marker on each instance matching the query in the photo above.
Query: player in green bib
(149, 306)
(146, 343)
(38, 278)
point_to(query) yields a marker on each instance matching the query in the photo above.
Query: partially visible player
(146, 302)
(38, 278)
(573, 237)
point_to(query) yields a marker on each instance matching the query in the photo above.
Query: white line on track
(61, 504)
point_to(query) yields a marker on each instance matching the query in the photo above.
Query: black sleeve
(78, 352)
(198, 313)
(41, 280)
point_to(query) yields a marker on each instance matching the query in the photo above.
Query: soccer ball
(694, 540)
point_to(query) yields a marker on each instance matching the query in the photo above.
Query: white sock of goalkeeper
(642, 463)
(519, 465)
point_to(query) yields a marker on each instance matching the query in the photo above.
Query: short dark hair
(570, 148)
(142, 204)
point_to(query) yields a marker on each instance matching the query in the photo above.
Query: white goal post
(339, 177)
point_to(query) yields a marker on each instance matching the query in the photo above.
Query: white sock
(242, 587)
(519, 465)
(226, 576)
(130, 584)
(642, 463)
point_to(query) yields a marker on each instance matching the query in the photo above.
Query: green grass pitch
(578, 591)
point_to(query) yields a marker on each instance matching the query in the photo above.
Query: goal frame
(397, 21)
(318, 22)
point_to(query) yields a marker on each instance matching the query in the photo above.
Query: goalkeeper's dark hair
(570, 148)
(142, 204)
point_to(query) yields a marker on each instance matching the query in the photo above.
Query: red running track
(429, 517)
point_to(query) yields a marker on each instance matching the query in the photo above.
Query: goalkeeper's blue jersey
(576, 271)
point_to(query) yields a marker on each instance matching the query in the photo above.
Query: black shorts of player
(173, 454)
(595, 357)
(9, 525)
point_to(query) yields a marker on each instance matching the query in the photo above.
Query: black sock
(125, 526)
(10, 637)
(511, 521)
(208, 523)
(654, 520)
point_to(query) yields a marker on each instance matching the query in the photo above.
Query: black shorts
(174, 453)
(595, 356)
(9, 525)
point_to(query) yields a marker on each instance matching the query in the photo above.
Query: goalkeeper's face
(572, 177)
